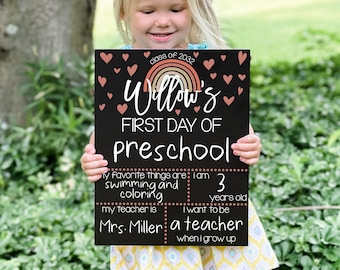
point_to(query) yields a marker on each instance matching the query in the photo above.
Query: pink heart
(197, 108)
(242, 57)
(213, 75)
(178, 111)
(131, 70)
(125, 56)
(117, 70)
(228, 101)
(102, 107)
(146, 54)
(102, 80)
(208, 63)
(106, 57)
(240, 90)
(227, 78)
(242, 76)
(223, 57)
(121, 108)
(196, 54)
(109, 95)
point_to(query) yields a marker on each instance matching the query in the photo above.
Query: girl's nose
(163, 20)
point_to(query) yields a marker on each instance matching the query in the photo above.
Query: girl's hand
(248, 148)
(94, 165)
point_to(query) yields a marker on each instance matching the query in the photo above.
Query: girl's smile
(161, 37)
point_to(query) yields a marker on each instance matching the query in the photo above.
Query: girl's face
(159, 24)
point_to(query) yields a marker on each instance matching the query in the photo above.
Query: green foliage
(46, 203)
(45, 200)
(59, 115)
(294, 110)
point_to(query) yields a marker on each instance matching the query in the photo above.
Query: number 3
(221, 183)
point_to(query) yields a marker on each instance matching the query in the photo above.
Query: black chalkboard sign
(165, 121)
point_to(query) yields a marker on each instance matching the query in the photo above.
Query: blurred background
(46, 116)
(273, 30)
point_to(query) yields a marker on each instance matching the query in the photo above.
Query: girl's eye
(147, 11)
(175, 10)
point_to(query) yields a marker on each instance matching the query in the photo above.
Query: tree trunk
(40, 28)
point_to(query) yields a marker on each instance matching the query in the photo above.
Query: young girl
(189, 24)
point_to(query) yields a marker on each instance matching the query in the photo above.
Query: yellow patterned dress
(258, 255)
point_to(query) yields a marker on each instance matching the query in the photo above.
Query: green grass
(274, 31)
(104, 30)
(282, 30)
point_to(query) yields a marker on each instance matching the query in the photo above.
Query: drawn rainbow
(189, 78)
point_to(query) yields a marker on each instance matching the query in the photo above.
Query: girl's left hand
(248, 148)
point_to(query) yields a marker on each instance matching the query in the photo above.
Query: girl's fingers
(94, 178)
(243, 147)
(251, 161)
(247, 154)
(95, 173)
(94, 165)
(91, 160)
(248, 143)
(89, 148)
(251, 138)
(246, 150)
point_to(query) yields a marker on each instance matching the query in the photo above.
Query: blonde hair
(205, 27)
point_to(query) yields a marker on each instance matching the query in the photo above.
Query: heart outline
(213, 75)
(121, 108)
(227, 78)
(102, 80)
(132, 69)
(147, 54)
(208, 64)
(102, 107)
(106, 57)
(242, 57)
(228, 101)
(125, 56)
(242, 76)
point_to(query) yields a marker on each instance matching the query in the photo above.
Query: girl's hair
(205, 27)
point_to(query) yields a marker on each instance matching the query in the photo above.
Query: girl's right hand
(94, 165)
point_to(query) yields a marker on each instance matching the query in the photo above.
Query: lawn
(277, 30)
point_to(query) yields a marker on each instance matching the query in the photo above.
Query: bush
(293, 109)
(44, 197)
(58, 119)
